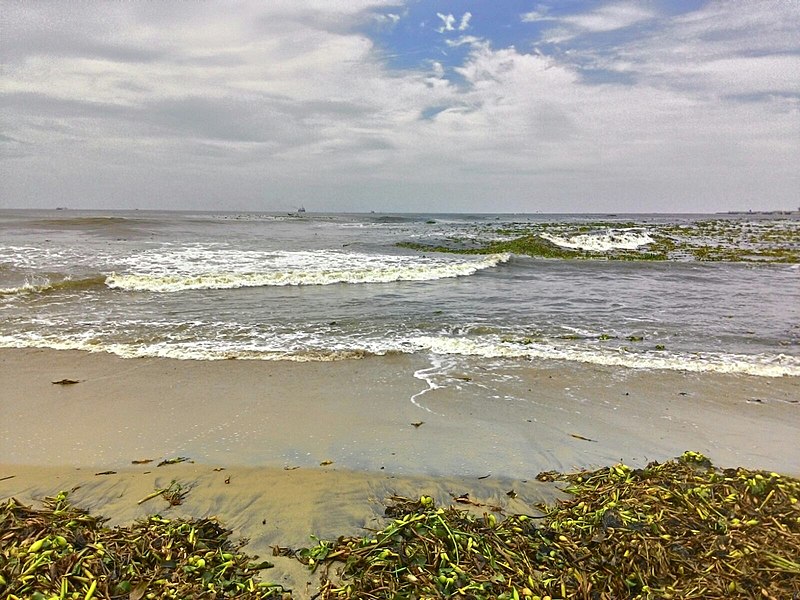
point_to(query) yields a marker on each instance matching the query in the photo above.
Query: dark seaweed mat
(682, 529)
(63, 552)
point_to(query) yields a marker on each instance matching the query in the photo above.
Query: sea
(304, 286)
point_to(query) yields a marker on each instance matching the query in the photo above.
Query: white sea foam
(207, 269)
(277, 349)
(707, 362)
(603, 241)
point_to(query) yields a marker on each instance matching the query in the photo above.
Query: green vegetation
(681, 529)
(63, 552)
(713, 240)
(530, 245)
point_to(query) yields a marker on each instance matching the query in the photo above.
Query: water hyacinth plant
(679, 529)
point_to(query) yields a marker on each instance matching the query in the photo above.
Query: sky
(401, 105)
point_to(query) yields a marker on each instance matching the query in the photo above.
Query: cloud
(610, 17)
(131, 103)
(448, 22)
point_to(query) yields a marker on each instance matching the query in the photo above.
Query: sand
(513, 419)
(485, 430)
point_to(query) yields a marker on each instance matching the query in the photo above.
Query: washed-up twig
(172, 461)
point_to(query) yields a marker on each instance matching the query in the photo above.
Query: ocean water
(303, 287)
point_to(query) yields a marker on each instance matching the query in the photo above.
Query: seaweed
(529, 245)
(678, 529)
(61, 551)
(681, 529)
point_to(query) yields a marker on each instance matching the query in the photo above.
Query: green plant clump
(63, 552)
(530, 245)
(681, 529)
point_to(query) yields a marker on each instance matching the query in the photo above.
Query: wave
(46, 286)
(347, 269)
(780, 365)
(758, 365)
(603, 241)
(90, 222)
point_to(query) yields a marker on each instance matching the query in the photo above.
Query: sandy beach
(511, 420)
(258, 432)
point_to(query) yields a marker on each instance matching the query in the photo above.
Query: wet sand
(486, 428)
(507, 418)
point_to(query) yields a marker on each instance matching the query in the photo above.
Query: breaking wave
(707, 362)
(325, 268)
(44, 285)
(603, 241)
(760, 365)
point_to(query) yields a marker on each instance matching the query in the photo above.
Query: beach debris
(288, 468)
(227, 480)
(142, 461)
(418, 424)
(218, 469)
(7, 477)
(325, 463)
(66, 381)
(172, 461)
(485, 476)
(465, 499)
(580, 437)
(174, 494)
(61, 551)
(681, 529)
(106, 473)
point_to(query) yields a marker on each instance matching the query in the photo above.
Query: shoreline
(394, 425)
(400, 415)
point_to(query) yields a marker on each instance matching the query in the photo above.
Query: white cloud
(448, 22)
(129, 102)
(534, 16)
(610, 17)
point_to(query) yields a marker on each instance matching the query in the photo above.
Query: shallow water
(327, 287)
